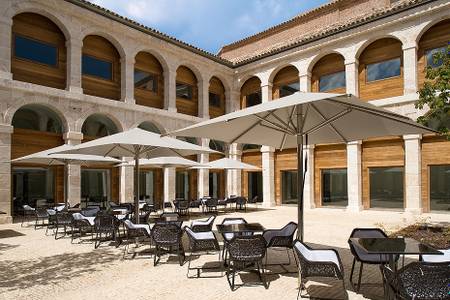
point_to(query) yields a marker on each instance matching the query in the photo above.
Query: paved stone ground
(36, 266)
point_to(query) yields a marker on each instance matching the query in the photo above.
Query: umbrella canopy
(49, 157)
(301, 118)
(138, 143)
(227, 164)
(167, 162)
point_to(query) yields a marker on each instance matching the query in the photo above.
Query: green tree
(435, 93)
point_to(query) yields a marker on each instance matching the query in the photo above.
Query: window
(255, 186)
(146, 185)
(440, 188)
(430, 57)
(36, 51)
(386, 187)
(289, 187)
(334, 187)
(214, 184)
(332, 81)
(182, 185)
(253, 99)
(184, 91)
(96, 67)
(214, 100)
(146, 81)
(289, 89)
(383, 70)
(95, 185)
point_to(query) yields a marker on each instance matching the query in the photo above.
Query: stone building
(71, 71)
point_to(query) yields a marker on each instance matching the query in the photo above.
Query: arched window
(286, 82)
(38, 51)
(186, 91)
(381, 70)
(216, 97)
(217, 145)
(148, 81)
(38, 118)
(328, 74)
(149, 126)
(97, 125)
(188, 139)
(100, 68)
(251, 92)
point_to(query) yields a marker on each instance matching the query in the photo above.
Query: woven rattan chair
(182, 207)
(361, 256)
(134, 232)
(227, 237)
(204, 241)
(81, 226)
(203, 225)
(41, 217)
(241, 203)
(317, 263)
(104, 228)
(167, 238)
(64, 221)
(281, 239)
(27, 213)
(211, 205)
(246, 252)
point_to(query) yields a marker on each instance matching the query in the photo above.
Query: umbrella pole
(66, 179)
(136, 188)
(300, 232)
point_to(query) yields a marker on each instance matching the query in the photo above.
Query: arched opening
(381, 70)
(251, 184)
(217, 145)
(251, 92)
(149, 126)
(216, 97)
(217, 178)
(100, 68)
(186, 179)
(328, 74)
(186, 91)
(286, 82)
(38, 51)
(148, 81)
(36, 128)
(435, 39)
(96, 126)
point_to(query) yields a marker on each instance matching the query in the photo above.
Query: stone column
(127, 85)
(126, 188)
(5, 48)
(74, 56)
(268, 166)
(203, 174)
(169, 184)
(203, 99)
(413, 189)
(266, 92)
(73, 170)
(308, 192)
(5, 173)
(410, 85)
(234, 176)
(351, 77)
(305, 81)
(170, 97)
(354, 176)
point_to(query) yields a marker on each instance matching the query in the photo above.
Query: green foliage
(435, 94)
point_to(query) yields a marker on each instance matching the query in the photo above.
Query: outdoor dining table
(167, 220)
(240, 228)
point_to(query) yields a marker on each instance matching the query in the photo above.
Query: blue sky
(209, 24)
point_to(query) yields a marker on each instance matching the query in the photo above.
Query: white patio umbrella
(49, 157)
(166, 162)
(227, 164)
(310, 118)
(138, 143)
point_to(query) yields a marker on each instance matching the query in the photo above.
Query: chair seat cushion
(318, 255)
(438, 258)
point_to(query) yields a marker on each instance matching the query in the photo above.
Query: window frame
(187, 84)
(430, 49)
(403, 183)
(251, 93)
(327, 74)
(388, 78)
(220, 100)
(279, 86)
(112, 80)
(156, 76)
(321, 189)
(13, 51)
(429, 187)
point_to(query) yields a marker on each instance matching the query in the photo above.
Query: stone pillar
(5, 173)
(126, 188)
(413, 190)
(73, 170)
(127, 85)
(354, 176)
(266, 92)
(233, 101)
(203, 174)
(203, 99)
(410, 85)
(305, 81)
(74, 56)
(268, 166)
(169, 184)
(5, 48)
(308, 192)
(351, 77)
(170, 85)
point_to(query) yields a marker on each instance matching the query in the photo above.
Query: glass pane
(214, 100)
(214, 184)
(334, 187)
(96, 67)
(95, 186)
(332, 81)
(440, 188)
(430, 55)
(184, 91)
(182, 185)
(145, 80)
(386, 187)
(253, 99)
(289, 187)
(35, 51)
(289, 89)
(384, 69)
(255, 185)
(146, 185)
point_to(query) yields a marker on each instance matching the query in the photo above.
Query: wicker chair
(182, 207)
(167, 237)
(211, 205)
(81, 225)
(203, 225)
(241, 203)
(104, 228)
(134, 232)
(317, 263)
(64, 220)
(227, 237)
(246, 252)
(418, 280)
(27, 213)
(281, 239)
(204, 241)
(361, 256)
(41, 216)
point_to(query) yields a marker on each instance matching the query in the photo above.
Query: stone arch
(275, 71)
(330, 66)
(368, 42)
(319, 56)
(116, 120)
(430, 24)
(107, 126)
(42, 109)
(159, 56)
(252, 86)
(151, 126)
(110, 38)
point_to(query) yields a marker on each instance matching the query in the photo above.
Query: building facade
(73, 72)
